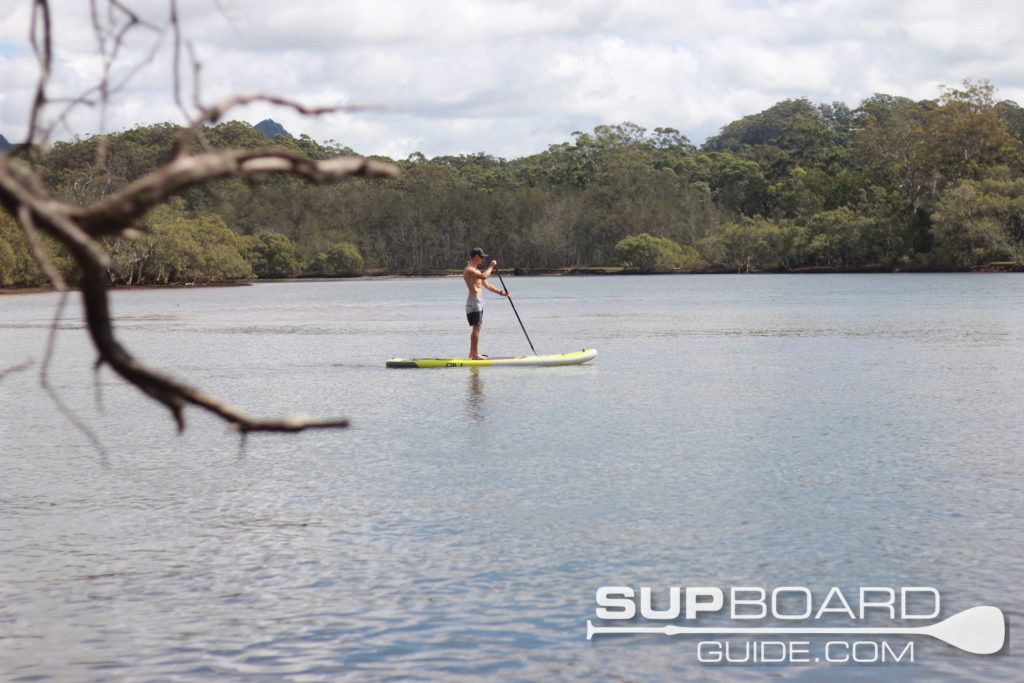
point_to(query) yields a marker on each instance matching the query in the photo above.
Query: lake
(758, 431)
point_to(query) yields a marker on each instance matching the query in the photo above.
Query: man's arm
(486, 274)
(492, 288)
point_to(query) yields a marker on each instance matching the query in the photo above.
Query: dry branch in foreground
(80, 228)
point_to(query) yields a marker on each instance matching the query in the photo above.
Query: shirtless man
(475, 280)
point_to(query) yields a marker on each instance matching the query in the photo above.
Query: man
(476, 279)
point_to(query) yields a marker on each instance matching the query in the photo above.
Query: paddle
(978, 630)
(502, 281)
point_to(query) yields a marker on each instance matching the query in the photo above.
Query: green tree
(978, 221)
(343, 260)
(737, 185)
(646, 253)
(176, 248)
(8, 264)
(18, 266)
(671, 141)
(237, 134)
(802, 193)
(841, 238)
(751, 244)
(922, 147)
(271, 255)
(967, 135)
(1013, 114)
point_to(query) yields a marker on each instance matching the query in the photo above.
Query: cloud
(510, 78)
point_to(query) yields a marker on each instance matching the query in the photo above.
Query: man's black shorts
(475, 318)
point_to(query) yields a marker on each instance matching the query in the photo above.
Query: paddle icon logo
(978, 630)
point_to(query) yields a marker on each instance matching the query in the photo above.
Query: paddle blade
(978, 630)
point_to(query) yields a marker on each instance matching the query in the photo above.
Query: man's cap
(477, 251)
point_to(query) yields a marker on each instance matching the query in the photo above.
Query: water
(817, 431)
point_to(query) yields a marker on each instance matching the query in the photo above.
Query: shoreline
(571, 271)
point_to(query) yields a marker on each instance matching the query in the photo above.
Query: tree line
(892, 184)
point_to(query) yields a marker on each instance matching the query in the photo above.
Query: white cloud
(510, 78)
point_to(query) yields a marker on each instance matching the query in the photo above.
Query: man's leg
(474, 342)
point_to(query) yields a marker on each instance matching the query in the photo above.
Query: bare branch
(176, 59)
(42, 44)
(112, 214)
(19, 188)
(80, 229)
(44, 379)
(173, 394)
(111, 37)
(213, 114)
(170, 392)
(15, 368)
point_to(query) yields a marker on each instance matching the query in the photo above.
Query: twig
(16, 368)
(44, 379)
(214, 113)
(43, 47)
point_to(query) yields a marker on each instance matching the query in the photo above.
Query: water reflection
(475, 397)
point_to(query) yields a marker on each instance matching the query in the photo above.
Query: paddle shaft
(502, 281)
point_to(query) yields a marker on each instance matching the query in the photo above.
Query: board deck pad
(572, 358)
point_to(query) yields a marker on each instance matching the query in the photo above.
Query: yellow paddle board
(556, 359)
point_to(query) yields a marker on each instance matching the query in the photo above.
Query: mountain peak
(271, 128)
(4, 144)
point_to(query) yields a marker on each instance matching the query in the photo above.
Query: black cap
(477, 251)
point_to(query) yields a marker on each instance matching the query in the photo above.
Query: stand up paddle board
(573, 358)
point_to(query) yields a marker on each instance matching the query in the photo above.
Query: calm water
(765, 431)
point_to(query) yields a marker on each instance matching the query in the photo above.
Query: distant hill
(270, 128)
(4, 145)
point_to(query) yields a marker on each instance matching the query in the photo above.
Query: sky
(508, 78)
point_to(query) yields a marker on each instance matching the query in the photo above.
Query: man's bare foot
(477, 357)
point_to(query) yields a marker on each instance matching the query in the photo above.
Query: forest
(890, 185)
